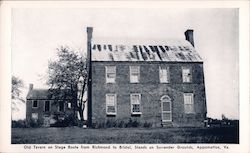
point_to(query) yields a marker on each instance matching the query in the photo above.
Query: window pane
(166, 116)
(186, 74)
(69, 105)
(189, 108)
(111, 109)
(110, 74)
(166, 106)
(134, 73)
(135, 99)
(136, 108)
(110, 100)
(163, 75)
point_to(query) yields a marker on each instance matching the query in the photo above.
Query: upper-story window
(35, 104)
(134, 74)
(164, 74)
(111, 104)
(188, 103)
(186, 74)
(135, 103)
(110, 74)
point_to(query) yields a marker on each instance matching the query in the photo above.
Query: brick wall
(151, 91)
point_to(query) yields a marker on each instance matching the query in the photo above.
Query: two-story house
(158, 82)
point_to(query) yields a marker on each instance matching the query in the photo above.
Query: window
(135, 103)
(111, 104)
(35, 104)
(188, 103)
(47, 105)
(69, 105)
(186, 74)
(134, 74)
(166, 108)
(34, 116)
(61, 106)
(164, 74)
(110, 74)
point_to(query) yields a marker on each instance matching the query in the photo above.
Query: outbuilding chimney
(31, 87)
(189, 36)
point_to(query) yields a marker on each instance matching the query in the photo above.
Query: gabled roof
(168, 51)
(46, 94)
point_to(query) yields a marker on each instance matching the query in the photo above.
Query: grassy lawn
(75, 135)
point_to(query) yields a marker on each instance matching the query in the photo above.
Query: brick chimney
(189, 36)
(31, 86)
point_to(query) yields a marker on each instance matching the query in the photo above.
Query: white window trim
(168, 75)
(130, 74)
(131, 108)
(49, 105)
(190, 69)
(166, 111)
(68, 105)
(189, 104)
(33, 103)
(106, 74)
(115, 103)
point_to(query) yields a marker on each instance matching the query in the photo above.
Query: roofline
(151, 62)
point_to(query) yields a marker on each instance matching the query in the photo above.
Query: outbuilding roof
(163, 50)
(46, 94)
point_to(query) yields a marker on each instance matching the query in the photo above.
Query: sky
(36, 33)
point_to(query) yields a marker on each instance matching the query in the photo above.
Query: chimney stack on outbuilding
(31, 87)
(189, 36)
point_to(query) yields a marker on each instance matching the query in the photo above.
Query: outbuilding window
(110, 104)
(34, 103)
(61, 106)
(186, 74)
(188, 103)
(135, 103)
(47, 106)
(134, 74)
(164, 74)
(110, 74)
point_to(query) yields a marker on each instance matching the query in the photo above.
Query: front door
(166, 109)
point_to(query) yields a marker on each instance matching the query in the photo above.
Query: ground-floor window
(111, 104)
(166, 108)
(135, 103)
(188, 103)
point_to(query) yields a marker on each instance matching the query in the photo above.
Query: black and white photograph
(125, 75)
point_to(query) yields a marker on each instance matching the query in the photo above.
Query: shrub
(35, 123)
(147, 125)
(19, 124)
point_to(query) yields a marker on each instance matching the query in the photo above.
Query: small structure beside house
(45, 107)
(156, 82)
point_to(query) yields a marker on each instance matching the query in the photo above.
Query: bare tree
(68, 72)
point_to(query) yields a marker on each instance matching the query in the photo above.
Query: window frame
(131, 104)
(63, 106)
(190, 76)
(191, 103)
(168, 75)
(170, 105)
(33, 103)
(106, 74)
(45, 105)
(130, 73)
(115, 104)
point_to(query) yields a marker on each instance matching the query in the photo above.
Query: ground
(76, 135)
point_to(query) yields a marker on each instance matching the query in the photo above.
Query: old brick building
(156, 82)
(45, 107)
